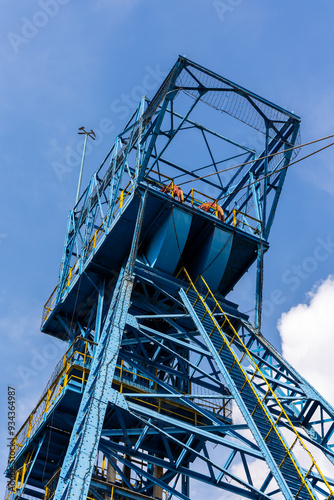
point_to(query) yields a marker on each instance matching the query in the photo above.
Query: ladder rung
(223, 323)
(232, 340)
(213, 329)
(254, 373)
(206, 312)
(287, 454)
(300, 489)
(222, 347)
(266, 394)
(307, 473)
(263, 421)
(256, 407)
(244, 384)
(295, 441)
(234, 362)
(276, 422)
(271, 428)
(242, 357)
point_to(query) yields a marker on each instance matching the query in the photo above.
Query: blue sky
(66, 63)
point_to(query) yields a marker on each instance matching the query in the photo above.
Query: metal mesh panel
(230, 99)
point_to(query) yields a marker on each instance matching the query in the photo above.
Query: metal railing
(194, 198)
(100, 475)
(242, 219)
(197, 199)
(87, 251)
(236, 339)
(75, 356)
(74, 367)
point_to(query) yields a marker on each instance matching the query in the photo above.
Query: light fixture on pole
(92, 135)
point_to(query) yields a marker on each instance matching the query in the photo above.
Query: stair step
(304, 494)
(263, 426)
(249, 402)
(278, 455)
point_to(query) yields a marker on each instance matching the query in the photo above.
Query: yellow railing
(78, 360)
(242, 222)
(195, 198)
(100, 474)
(220, 409)
(90, 247)
(50, 488)
(59, 379)
(260, 402)
(161, 184)
(20, 475)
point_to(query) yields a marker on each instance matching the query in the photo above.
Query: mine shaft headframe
(166, 143)
(247, 185)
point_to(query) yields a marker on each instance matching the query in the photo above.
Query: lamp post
(92, 135)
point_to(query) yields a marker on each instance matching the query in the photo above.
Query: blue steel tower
(140, 406)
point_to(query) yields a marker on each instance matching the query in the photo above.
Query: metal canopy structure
(160, 363)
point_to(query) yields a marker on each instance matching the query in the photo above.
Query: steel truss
(141, 404)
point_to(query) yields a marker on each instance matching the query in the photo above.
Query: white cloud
(307, 334)
(257, 468)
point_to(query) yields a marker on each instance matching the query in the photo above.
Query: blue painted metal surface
(156, 422)
(145, 390)
(167, 242)
(82, 448)
(259, 421)
(210, 257)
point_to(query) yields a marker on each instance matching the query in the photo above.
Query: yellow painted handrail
(236, 221)
(260, 402)
(64, 377)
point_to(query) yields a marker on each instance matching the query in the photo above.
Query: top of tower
(213, 158)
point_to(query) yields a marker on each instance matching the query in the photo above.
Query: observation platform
(174, 235)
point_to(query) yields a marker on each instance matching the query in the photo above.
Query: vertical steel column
(77, 469)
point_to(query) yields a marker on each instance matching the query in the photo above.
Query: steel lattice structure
(141, 404)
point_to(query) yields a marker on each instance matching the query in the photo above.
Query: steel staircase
(227, 347)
